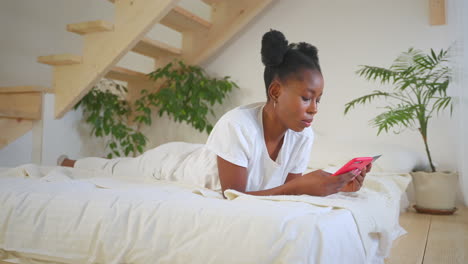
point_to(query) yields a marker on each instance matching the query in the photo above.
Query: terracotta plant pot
(435, 192)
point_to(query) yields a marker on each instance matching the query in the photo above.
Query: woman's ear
(274, 91)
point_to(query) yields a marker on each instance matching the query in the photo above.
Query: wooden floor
(432, 239)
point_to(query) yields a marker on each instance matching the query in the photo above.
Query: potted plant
(186, 93)
(417, 85)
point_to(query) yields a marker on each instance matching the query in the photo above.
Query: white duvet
(70, 216)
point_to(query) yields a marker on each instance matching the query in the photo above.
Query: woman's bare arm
(292, 176)
(316, 183)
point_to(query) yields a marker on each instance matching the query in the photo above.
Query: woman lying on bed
(259, 149)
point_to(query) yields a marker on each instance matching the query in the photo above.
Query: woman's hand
(317, 183)
(321, 183)
(356, 184)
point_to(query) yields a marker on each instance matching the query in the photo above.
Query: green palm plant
(419, 83)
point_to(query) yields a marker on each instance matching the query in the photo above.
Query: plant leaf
(364, 99)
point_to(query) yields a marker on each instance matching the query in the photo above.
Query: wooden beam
(228, 19)
(60, 59)
(155, 49)
(182, 20)
(90, 27)
(25, 89)
(133, 19)
(212, 2)
(437, 13)
(21, 105)
(13, 129)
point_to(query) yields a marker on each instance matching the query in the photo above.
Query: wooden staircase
(105, 43)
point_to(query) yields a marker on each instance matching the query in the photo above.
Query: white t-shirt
(238, 138)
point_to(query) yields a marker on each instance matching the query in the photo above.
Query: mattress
(66, 216)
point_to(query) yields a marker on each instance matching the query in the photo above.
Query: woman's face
(298, 99)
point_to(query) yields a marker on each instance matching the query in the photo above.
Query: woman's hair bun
(274, 47)
(308, 50)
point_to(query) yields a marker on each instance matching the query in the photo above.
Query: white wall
(347, 34)
(34, 28)
(457, 13)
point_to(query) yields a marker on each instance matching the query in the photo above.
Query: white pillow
(335, 153)
(398, 160)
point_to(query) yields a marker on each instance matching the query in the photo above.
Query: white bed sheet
(70, 219)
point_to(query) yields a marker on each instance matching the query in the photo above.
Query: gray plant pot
(435, 192)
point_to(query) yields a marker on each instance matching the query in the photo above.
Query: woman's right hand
(321, 183)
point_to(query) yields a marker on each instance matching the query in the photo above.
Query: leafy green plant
(419, 85)
(107, 111)
(185, 93)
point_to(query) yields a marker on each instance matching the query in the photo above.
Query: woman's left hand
(356, 184)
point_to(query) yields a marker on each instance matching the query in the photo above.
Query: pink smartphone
(356, 163)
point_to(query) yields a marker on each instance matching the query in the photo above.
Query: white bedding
(375, 207)
(64, 215)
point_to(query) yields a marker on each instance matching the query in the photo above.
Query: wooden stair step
(13, 129)
(156, 49)
(60, 59)
(182, 20)
(27, 105)
(90, 27)
(25, 89)
(123, 74)
(212, 2)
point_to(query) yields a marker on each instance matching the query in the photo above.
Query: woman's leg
(122, 168)
(175, 161)
(153, 164)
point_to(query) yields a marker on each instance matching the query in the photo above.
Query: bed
(59, 215)
(64, 215)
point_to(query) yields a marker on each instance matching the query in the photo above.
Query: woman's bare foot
(68, 163)
(64, 161)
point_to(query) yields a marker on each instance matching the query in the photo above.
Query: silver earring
(274, 104)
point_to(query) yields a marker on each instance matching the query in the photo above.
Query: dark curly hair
(282, 60)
